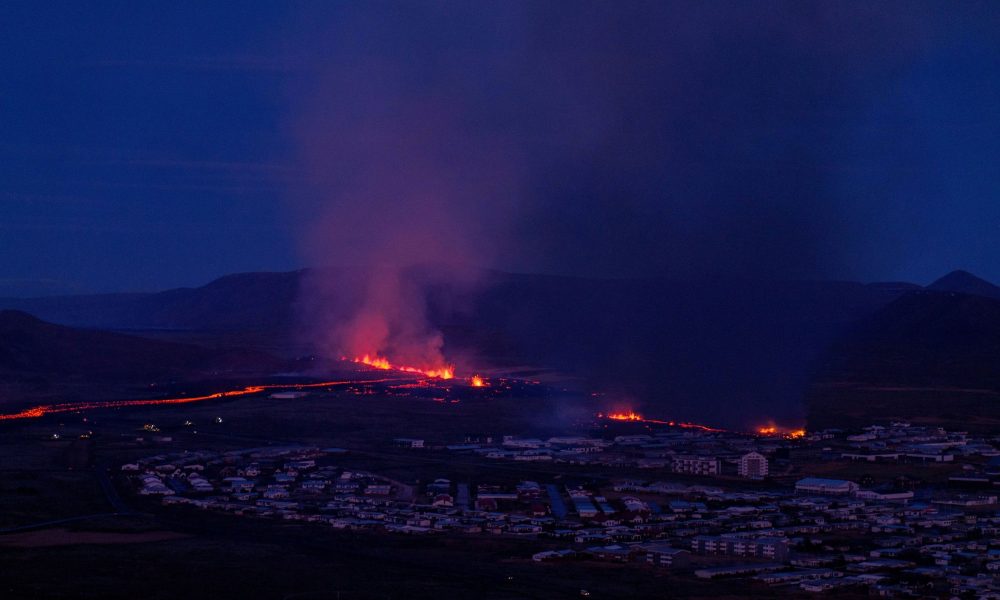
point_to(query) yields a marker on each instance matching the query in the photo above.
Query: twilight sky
(151, 145)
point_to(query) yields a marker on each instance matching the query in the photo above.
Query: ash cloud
(682, 139)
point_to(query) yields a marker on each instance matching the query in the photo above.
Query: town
(694, 501)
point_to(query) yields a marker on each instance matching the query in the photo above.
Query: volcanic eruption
(379, 362)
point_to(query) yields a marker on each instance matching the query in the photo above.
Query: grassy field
(236, 558)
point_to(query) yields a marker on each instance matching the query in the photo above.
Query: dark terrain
(30, 346)
(40, 360)
(930, 356)
(223, 556)
(663, 345)
(879, 351)
(729, 352)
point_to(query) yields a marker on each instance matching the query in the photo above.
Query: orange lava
(48, 409)
(380, 362)
(636, 417)
(625, 416)
(477, 381)
(698, 426)
(775, 431)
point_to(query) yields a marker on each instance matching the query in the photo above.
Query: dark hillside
(926, 356)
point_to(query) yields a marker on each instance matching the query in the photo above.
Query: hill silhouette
(732, 352)
(964, 282)
(34, 349)
(930, 356)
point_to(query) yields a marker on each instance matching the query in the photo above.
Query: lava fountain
(380, 362)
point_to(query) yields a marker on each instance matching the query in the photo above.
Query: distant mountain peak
(964, 282)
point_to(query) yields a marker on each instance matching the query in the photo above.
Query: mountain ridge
(929, 355)
(733, 352)
(33, 348)
(963, 282)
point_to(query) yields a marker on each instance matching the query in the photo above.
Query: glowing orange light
(46, 409)
(698, 426)
(477, 381)
(625, 416)
(774, 431)
(380, 362)
(636, 417)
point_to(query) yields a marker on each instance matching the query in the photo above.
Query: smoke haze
(686, 140)
(402, 177)
(632, 139)
(679, 138)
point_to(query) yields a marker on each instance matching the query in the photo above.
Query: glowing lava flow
(48, 409)
(477, 381)
(636, 417)
(380, 362)
(775, 431)
(625, 416)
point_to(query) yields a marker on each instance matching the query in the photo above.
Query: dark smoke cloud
(617, 138)
(687, 139)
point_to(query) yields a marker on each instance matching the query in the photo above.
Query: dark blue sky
(152, 145)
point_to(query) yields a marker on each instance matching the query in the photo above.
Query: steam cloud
(408, 192)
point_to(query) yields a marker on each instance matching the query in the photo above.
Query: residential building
(772, 548)
(696, 465)
(663, 555)
(753, 465)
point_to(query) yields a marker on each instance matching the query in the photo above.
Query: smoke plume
(678, 139)
(407, 192)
